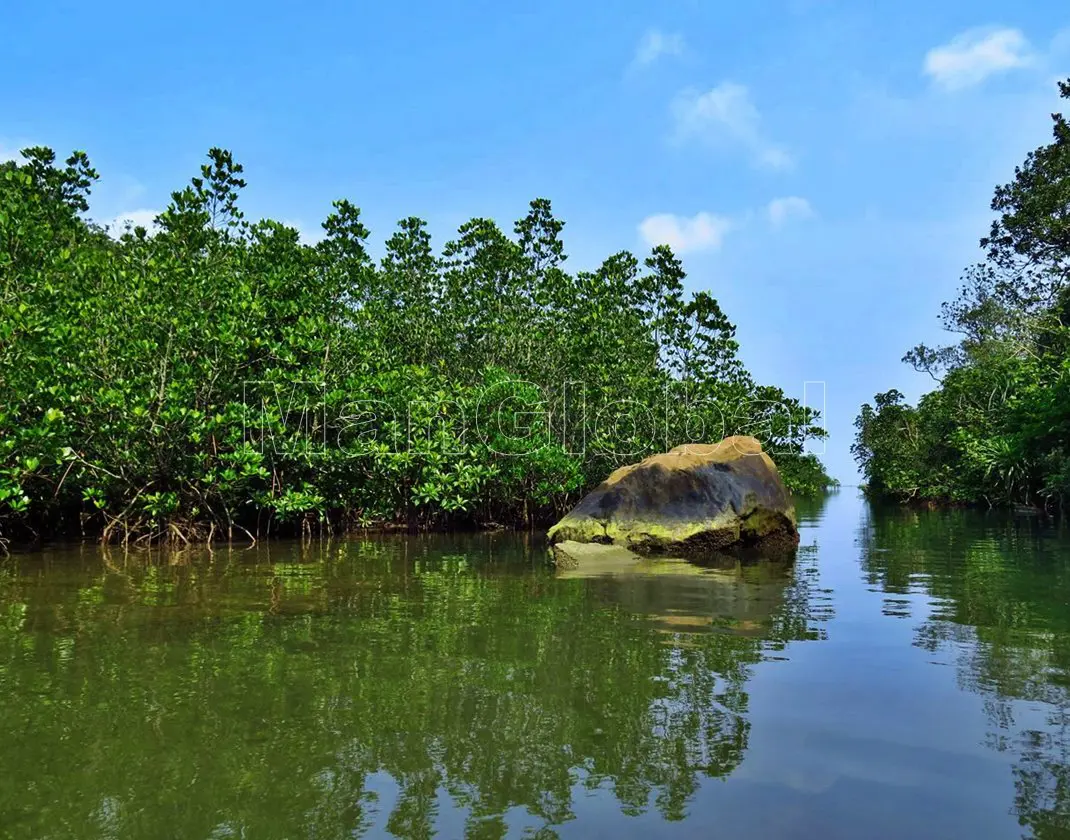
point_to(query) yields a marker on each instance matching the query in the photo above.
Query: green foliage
(804, 474)
(218, 377)
(997, 429)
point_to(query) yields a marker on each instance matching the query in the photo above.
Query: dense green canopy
(997, 429)
(214, 376)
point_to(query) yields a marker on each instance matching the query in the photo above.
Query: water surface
(908, 676)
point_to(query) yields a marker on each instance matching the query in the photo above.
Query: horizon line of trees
(133, 367)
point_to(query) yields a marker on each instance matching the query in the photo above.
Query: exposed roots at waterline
(143, 531)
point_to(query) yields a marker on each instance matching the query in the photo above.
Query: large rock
(693, 500)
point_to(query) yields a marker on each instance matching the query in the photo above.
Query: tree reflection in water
(1000, 585)
(325, 689)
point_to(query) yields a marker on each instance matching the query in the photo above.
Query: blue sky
(824, 168)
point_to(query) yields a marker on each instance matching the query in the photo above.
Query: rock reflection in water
(725, 594)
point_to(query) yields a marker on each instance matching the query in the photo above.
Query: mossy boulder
(690, 501)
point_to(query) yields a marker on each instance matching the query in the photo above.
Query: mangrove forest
(995, 430)
(213, 377)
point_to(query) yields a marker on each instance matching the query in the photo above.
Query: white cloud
(132, 219)
(972, 56)
(1059, 48)
(654, 44)
(702, 232)
(10, 152)
(726, 112)
(780, 210)
(307, 237)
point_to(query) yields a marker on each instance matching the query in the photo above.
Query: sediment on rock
(690, 501)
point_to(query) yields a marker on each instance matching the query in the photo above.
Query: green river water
(907, 677)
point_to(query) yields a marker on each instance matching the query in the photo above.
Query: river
(908, 676)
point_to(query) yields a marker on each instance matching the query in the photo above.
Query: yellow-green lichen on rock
(692, 500)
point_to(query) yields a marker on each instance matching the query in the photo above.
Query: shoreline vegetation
(995, 431)
(216, 379)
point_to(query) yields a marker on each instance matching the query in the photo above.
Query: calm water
(908, 677)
